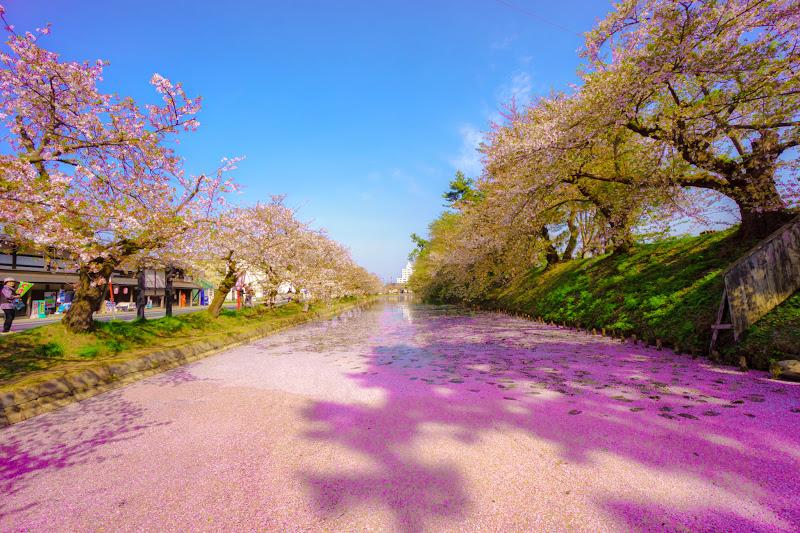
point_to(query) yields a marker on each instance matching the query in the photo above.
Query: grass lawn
(42, 353)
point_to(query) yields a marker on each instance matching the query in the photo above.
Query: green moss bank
(51, 351)
(669, 290)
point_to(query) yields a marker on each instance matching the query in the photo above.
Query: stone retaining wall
(22, 403)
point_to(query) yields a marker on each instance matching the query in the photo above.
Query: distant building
(406, 273)
(54, 281)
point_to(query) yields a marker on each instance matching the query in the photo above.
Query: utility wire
(540, 18)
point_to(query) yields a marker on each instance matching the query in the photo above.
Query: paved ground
(22, 323)
(409, 418)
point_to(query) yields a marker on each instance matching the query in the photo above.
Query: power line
(540, 18)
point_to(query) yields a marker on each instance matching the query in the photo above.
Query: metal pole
(111, 292)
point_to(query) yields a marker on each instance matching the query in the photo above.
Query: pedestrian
(7, 296)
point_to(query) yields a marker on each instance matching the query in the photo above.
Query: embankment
(668, 291)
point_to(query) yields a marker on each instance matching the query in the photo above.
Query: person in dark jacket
(7, 296)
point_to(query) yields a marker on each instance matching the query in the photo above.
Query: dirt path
(410, 418)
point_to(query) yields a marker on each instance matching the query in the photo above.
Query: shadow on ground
(711, 449)
(27, 452)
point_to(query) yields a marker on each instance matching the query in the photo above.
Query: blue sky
(362, 111)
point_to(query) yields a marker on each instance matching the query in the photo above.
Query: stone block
(788, 370)
(53, 386)
(120, 369)
(7, 400)
(172, 354)
(192, 350)
(55, 398)
(84, 380)
(103, 374)
(743, 364)
(161, 356)
(25, 395)
(14, 414)
(205, 346)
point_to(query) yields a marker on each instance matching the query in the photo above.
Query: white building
(406, 273)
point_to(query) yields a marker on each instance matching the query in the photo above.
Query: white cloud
(519, 87)
(505, 44)
(468, 159)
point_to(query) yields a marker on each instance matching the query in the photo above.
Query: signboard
(764, 277)
(37, 309)
(24, 287)
(154, 279)
(50, 300)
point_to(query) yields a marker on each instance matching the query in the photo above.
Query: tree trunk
(550, 252)
(622, 236)
(573, 238)
(623, 244)
(169, 275)
(222, 291)
(92, 286)
(273, 293)
(752, 186)
(761, 207)
(759, 224)
(141, 297)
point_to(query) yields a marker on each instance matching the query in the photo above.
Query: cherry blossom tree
(717, 80)
(550, 162)
(359, 282)
(433, 269)
(683, 101)
(89, 173)
(322, 267)
(259, 239)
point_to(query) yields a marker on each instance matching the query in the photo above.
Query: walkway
(411, 418)
(24, 323)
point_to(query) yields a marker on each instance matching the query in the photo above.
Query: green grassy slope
(40, 353)
(669, 290)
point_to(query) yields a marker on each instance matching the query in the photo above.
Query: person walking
(7, 296)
